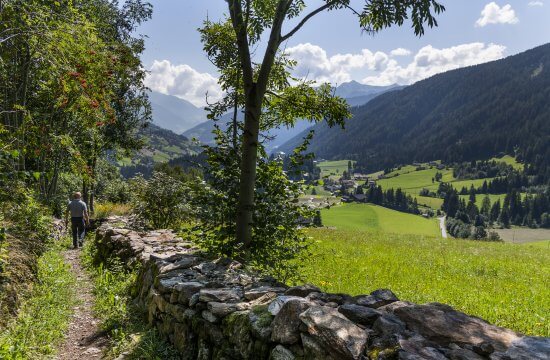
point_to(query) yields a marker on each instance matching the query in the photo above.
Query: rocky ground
(213, 309)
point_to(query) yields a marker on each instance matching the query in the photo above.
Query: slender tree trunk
(235, 112)
(249, 158)
(85, 193)
(92, 185)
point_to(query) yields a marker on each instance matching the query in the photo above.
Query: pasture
(507, 284)
(510, 160)
(333, 168)
(371, 217)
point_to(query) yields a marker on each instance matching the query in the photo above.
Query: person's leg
(81, 233)
(74, 229)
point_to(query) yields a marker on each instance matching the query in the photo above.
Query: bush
(161, 201)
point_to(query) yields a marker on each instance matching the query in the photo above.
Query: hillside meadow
(506, 284)
(333, 168)
(356, 216)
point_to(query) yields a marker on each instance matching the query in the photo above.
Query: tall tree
(249, 20)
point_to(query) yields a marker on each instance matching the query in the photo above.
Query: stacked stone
(213, 309)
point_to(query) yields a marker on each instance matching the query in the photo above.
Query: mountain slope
(161, 145)
(175, 114)
(463, 114)
(355, 93)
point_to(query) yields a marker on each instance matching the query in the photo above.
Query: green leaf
(36, 175)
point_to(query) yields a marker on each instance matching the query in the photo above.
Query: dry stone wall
(213, 309)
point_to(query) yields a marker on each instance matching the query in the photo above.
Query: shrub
(277, 239)
(161, 201)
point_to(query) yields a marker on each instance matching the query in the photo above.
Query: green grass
(333, 167)
(459, 184)
(377, 218)
(431, 202)
(318, 189)
(505, 284)
(43, 318)
(510, 160)
(412, 182)
(120, 319)
(160, 157)
(545, 244)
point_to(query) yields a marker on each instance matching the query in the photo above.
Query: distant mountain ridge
(464, 114)
(175, 114)
(355, 93)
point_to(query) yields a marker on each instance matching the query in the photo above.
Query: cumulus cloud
(535, 3)
(494, 14)
(315, 64)
(183, 81)
(400, 52)
(429, 61)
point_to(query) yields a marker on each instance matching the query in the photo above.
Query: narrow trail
(84, 338)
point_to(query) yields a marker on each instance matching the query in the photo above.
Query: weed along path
(84, 339)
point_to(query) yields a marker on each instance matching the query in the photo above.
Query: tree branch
(306, 18)
(272, 46)
(239, 26)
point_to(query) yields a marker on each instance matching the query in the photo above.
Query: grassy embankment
(44, 316)
(505, 284)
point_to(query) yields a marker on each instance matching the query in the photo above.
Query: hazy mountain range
(354, 92)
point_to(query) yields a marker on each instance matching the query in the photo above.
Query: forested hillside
(161, 145)
(464, 114)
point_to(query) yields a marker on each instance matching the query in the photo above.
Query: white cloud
(429, 61)
(183, 81)
(315, 64)
(535, 3)
(494, 14)
(400, 52)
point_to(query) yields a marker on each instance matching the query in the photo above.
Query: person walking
(79, 219)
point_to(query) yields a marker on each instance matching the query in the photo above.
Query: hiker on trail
(79, 213)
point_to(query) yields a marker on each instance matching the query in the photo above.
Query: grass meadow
(333, 168)
(371, 217)
(506, 284)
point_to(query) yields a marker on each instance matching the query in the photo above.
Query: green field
(510, 160)
(334, 168)
(505, 284)
(412, 182)
(377, 218)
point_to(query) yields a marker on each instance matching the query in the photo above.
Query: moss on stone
(390, 353)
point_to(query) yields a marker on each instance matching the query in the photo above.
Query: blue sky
(332, 48)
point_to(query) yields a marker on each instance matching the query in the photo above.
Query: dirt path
(84, 338)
